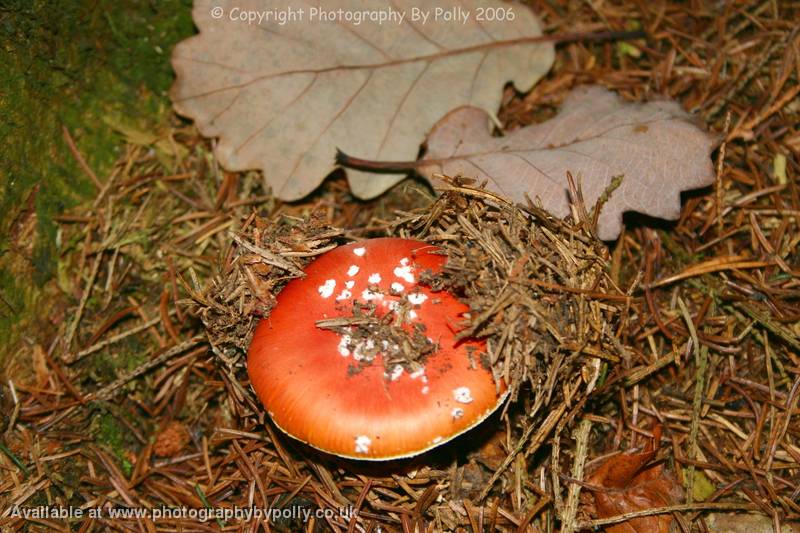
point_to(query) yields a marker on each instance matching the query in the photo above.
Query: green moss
(702, 488)
(70, 64)
(105, 366)
(112, 434)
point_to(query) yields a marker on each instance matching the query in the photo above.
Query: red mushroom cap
(315, 389)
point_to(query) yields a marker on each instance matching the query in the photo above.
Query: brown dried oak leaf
(283, 96)
(596, 136)
(625, 483)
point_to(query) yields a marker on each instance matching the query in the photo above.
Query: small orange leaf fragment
(625, 483)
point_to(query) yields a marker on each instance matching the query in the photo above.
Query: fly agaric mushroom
(337, 389)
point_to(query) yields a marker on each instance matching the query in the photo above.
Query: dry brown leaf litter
(659, 148)
(374, 89)
(632, 482)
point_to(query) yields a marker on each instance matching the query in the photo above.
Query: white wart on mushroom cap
(304, 375)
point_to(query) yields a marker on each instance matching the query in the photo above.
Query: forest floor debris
(703, 349)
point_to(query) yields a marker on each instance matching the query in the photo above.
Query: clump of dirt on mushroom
(368, 335)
